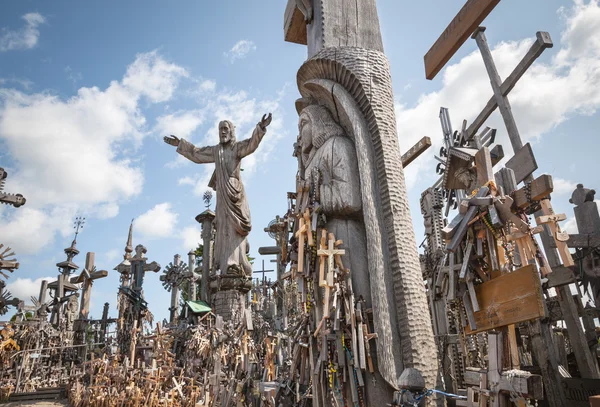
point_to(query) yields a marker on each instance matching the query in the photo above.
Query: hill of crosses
(488, 312)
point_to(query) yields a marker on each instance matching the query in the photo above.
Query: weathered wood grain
(509, 299)
(457, 32)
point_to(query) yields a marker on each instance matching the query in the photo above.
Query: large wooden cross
(139, 267)
(86, 278)
(524, 158)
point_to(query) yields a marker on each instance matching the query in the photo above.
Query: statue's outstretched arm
(248, 146)
(199, 155)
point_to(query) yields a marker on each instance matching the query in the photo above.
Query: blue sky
(87, 90)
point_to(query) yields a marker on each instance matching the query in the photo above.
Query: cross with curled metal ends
(174, 274)
(5, 262)
(15, 200)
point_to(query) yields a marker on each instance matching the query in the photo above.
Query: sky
(88, 90)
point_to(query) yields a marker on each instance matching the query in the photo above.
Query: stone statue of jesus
(232, 219)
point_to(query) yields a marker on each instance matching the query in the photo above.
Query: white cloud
(547, 95)
(112, 255)
(153, 77)
(107, 210)
(70, 152)
(25, 38)
(24, 83)
(200, 180)
(25, 288)
(28, 230)
(207, 86)
(180, 124)
(157, 222)
(191, 237)
(563, 186)
(240, 50)
(186, 181)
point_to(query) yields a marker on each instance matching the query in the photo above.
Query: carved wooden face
(225, 133)
(305, 137)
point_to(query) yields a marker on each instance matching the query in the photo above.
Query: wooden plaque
(466, 21)
(509, 299)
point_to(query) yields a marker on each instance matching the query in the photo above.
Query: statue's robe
(232, 220)
(341, 203)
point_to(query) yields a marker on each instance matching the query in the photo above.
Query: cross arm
(88, 276)
(543, 41)
(12, 199)
(154, 266)
(8, 265)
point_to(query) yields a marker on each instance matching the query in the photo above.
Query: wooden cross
(493, 383)
(264, 281)
(501, 89)
(139, 266)
(303, 229)
(86, 278)
(307, 223)
(330, 252)
(133, 343)
(550, 219)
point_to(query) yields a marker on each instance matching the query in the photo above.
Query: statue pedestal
(229, 304)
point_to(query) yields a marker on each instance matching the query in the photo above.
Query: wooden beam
(457, 32)
(294, 26)
(267, 250)
(530, 386)
(415, 151)
(560, 276)
(523, 163)
(541, 187)
(497, 154)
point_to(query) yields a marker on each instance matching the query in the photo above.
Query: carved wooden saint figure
(326, 149)
(233, 215)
